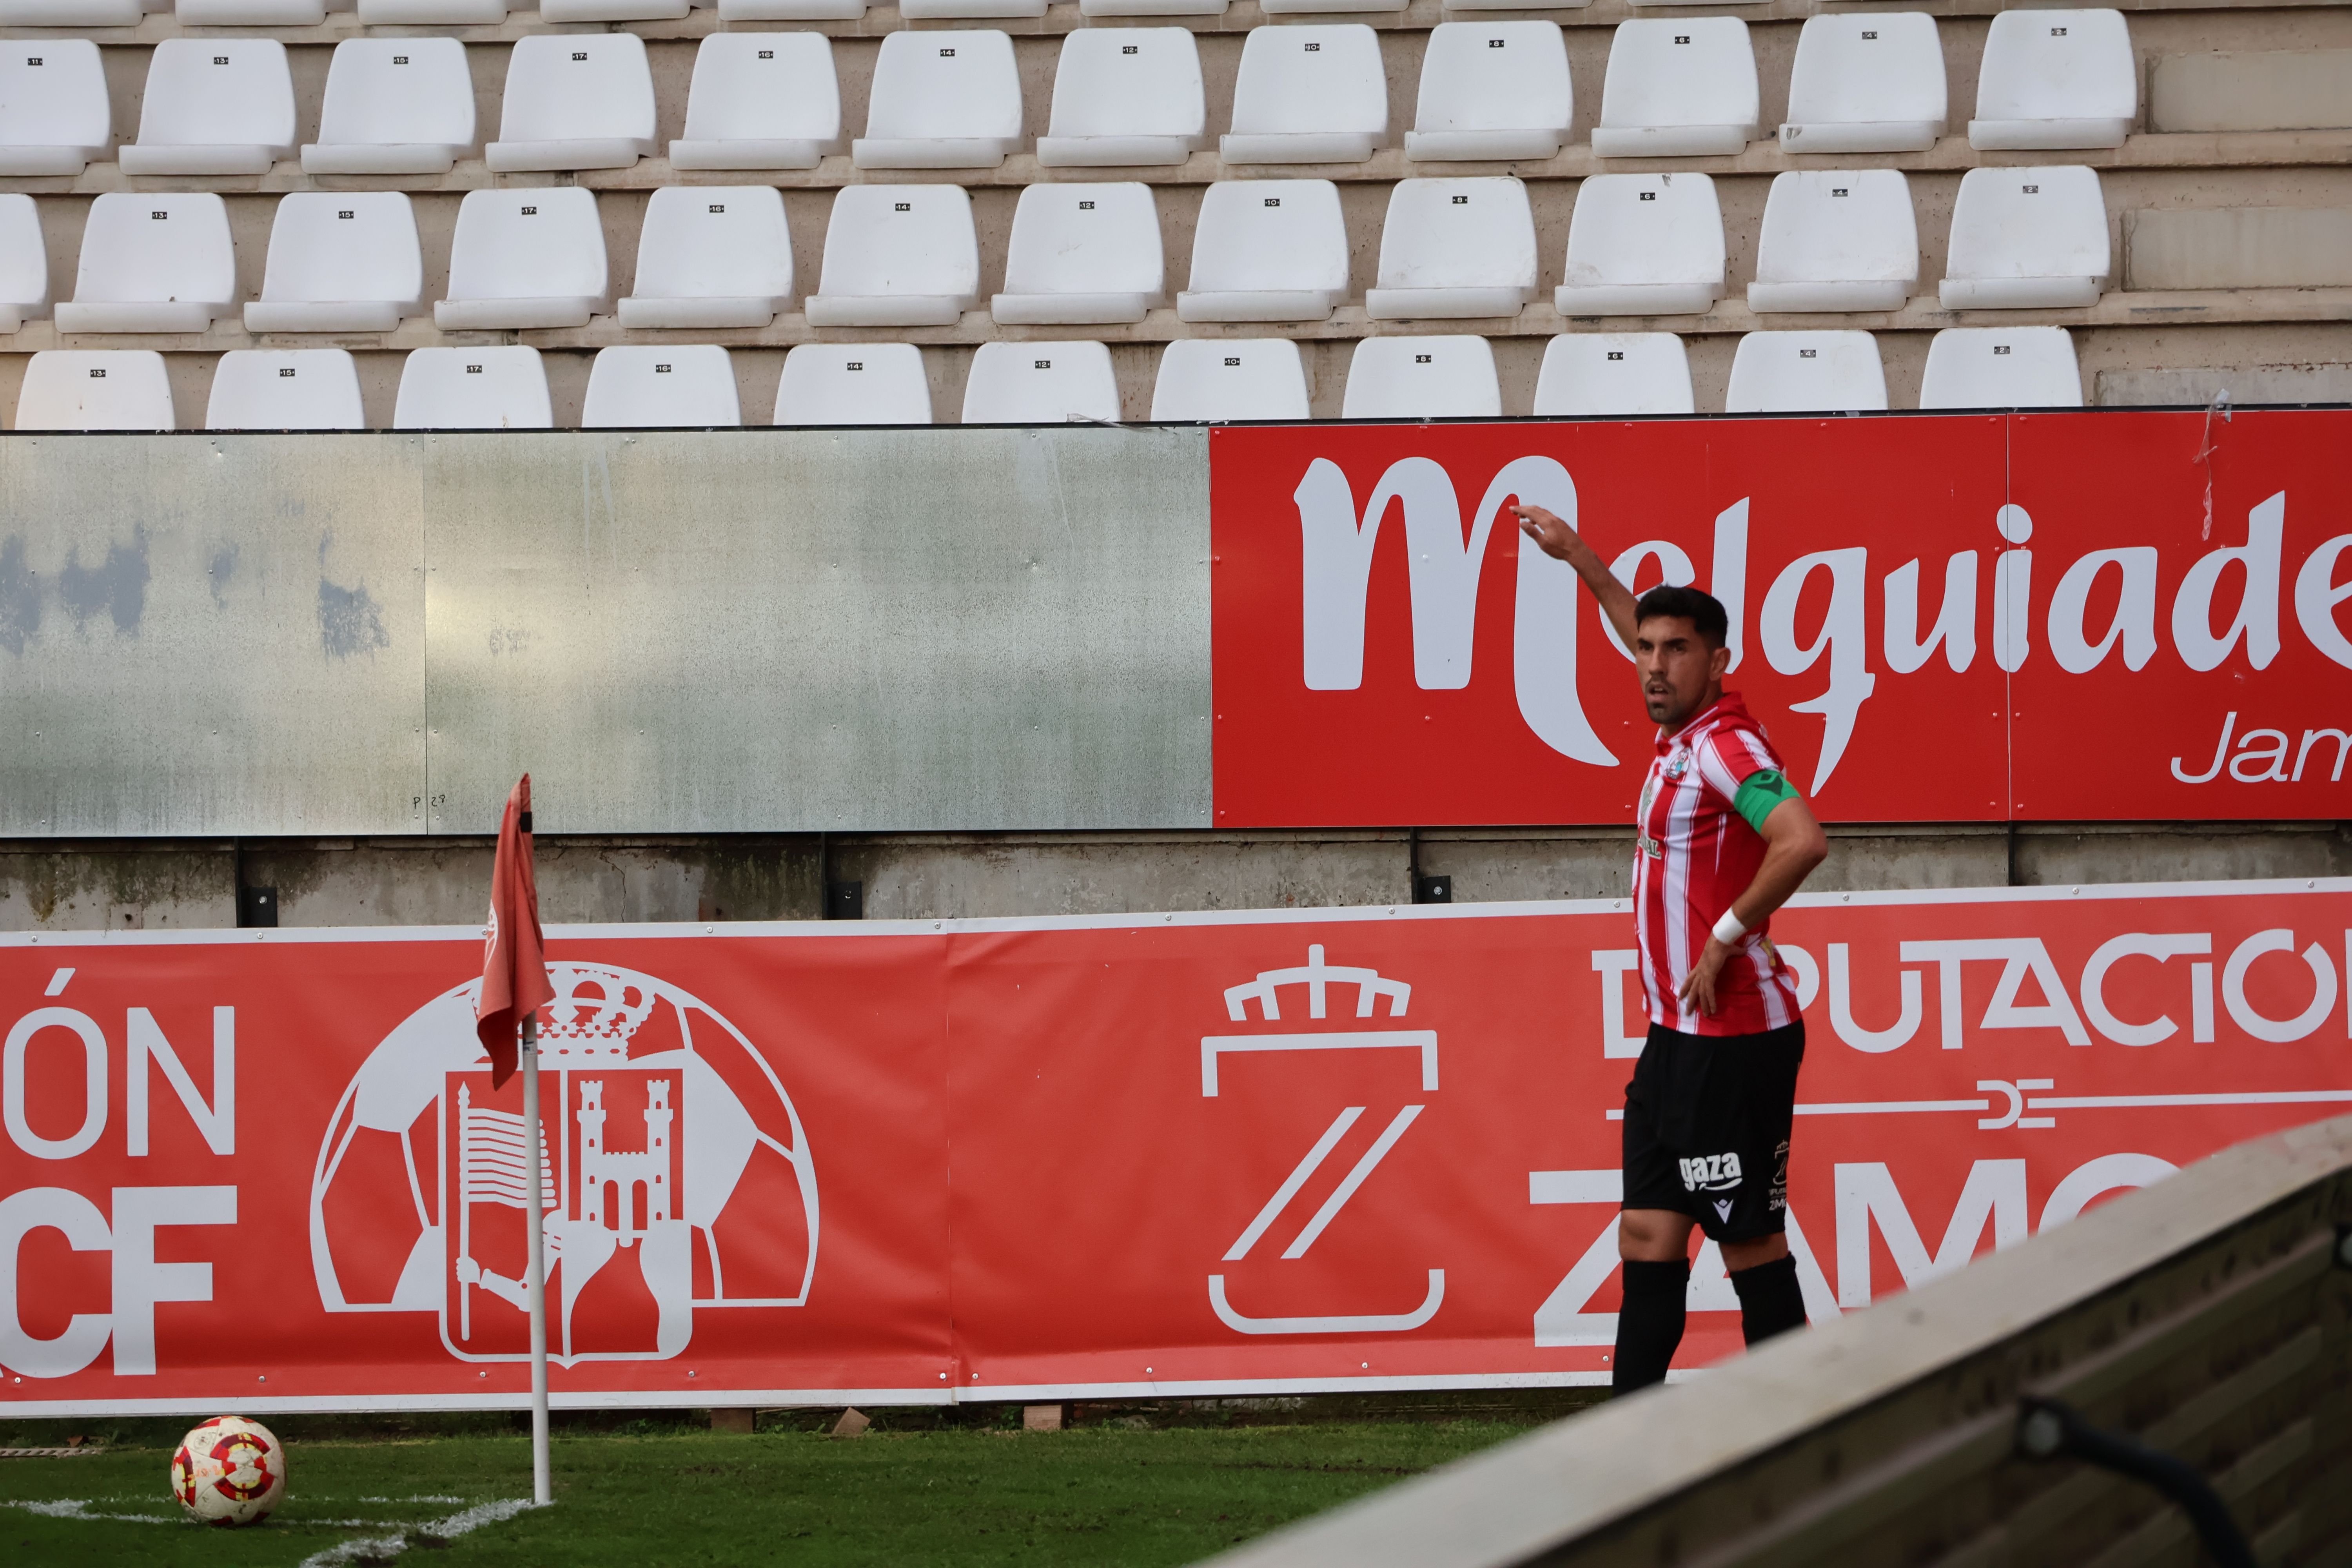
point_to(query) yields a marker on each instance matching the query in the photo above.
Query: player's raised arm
(1561, 542)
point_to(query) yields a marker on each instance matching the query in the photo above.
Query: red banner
(1182, 1154)
(2063, 616)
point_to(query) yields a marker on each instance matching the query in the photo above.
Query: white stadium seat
(55, 118)
(256, 12)
(1805, 373)
(1644, 245)
(1492, 90)
(897, 256)
(1309, 95)
(2056, 79)
(473, 389)
(1216, 380)
(1603, 373)
(96, 389)
(432, 13)
(712, 256)
(790, 10)
(214, 105)
(1124, 97)
(854, 384)
(690, 387)
(394, 106)
(1677, 87)
(1041, 384)
(1866, 82)
(1422, 378)
(24, 264)
(526, 258)
(575, 100)
(152, 264)
(1268, 250)
(77, 13)
(2026, 239)
(941, 100)
(1082, 254)
(285, 389)
(1836, 239)
(1455, 248)
(2002, 367)
(761, 101)
(340, 261)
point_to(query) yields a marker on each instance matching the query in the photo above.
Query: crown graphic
(1316, 976)
(595, 1015)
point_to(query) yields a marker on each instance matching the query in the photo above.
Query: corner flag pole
(514, 988)
(542, 1490)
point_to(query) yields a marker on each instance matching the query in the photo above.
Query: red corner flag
(514, 967)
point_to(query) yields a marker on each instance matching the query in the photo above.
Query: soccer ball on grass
(230, 1470)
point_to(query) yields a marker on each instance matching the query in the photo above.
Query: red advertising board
(1048, 1159)
(2090, 615)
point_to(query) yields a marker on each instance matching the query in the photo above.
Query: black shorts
(1706, 1129)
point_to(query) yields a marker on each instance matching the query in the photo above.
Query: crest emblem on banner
(661, 1121)
(1318, 979)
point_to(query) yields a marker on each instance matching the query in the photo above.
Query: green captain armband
(1759, 791)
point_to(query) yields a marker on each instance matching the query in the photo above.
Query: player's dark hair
(1704, 611)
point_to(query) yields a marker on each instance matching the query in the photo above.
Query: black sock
(1770, 1301)
(1650, 1323)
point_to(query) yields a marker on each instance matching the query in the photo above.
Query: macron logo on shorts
(1723, 1210)
(1710, 1173)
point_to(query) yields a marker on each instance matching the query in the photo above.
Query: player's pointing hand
(1553, 536)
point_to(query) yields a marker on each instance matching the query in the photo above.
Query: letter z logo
(1317, 978)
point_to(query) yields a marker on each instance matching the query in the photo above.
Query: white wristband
(1728, 930)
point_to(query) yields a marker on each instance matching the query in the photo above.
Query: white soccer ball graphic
(676, 1177)
(230, 1470)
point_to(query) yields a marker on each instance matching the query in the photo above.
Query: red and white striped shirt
(1696, 854)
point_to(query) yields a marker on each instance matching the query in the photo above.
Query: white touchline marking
(463, 1522)
(79, 1509)
(456, 1524)
(75, 1508)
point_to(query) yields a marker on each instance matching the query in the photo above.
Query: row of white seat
(694, 386)
(492, 13)
(1489, 90)
(1264, 250)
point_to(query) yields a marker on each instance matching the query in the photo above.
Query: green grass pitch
(1102, 1494)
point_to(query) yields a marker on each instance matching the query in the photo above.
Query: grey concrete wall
(66, 886)
(2244, 383)
(2261, 90)
(2239, 248)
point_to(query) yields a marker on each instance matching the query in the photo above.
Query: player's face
(1679, 671)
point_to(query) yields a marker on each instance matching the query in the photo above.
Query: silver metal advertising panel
(673, 631)
(207, 635)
